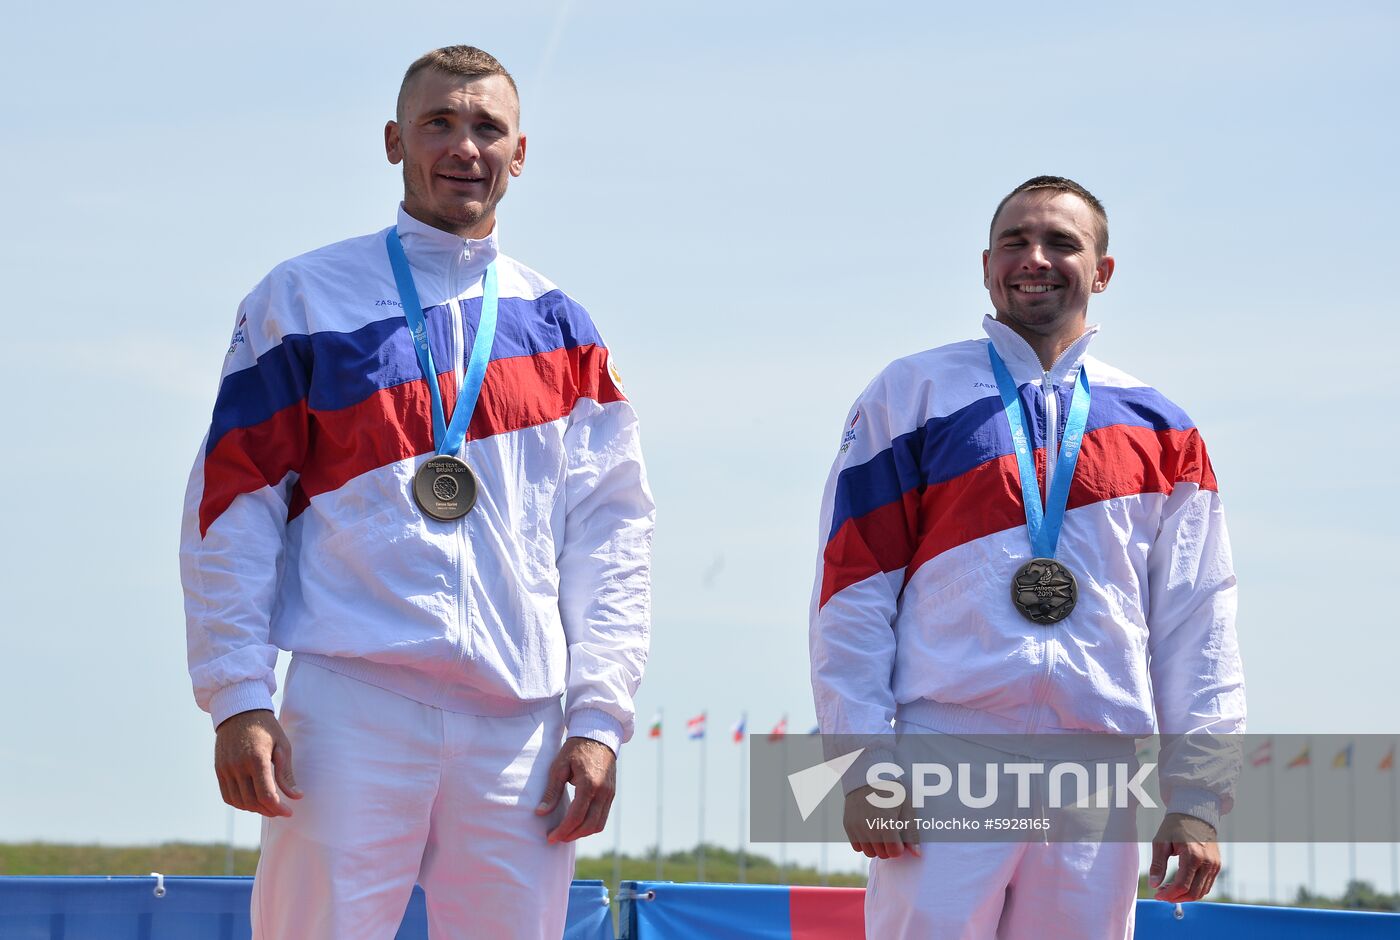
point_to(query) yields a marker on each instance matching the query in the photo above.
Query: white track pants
(1011, 890)
(397, 792)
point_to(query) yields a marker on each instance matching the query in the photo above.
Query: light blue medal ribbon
(447, 438)
(1043, 590)
(444, 486)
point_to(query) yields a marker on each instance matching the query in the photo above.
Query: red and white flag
(1263, 754)
(779, 730)
(695, 727)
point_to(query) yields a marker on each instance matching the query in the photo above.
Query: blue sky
(761, 204)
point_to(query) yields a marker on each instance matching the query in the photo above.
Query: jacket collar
(432, 249)
(1024, 364)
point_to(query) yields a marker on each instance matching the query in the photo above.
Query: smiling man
(1019, 539)
(423, 480)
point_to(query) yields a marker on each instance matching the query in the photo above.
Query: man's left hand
(592, 769)
(1192, 841)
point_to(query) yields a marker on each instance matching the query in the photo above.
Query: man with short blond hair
(422, 479)
(462, 61)
(1020, 540)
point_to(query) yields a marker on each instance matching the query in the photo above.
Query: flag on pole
(1388, 761)
(779, 730)
(655, 731)
(816, 729)
(1343, 758)
(1302, 760)
(1263, 754)
(695, 727)
(740, 727)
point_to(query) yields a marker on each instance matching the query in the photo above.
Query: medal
(1043, 589)
(444, 486)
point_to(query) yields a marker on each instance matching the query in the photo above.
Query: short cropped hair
(466, 61)
(1060, 184)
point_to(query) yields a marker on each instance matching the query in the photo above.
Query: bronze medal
(445, 488)
(1044, 591)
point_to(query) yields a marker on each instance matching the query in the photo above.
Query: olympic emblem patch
(849, 437)
(239, 338)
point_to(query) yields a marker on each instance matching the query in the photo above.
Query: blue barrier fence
(661, 910)
(170, 908)
(180, 908)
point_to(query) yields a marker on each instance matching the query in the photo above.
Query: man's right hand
(253, 761)
(873, 840)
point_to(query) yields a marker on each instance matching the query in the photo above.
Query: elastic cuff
(249, 695)
(1196, 801)
(858, 774)
(596, 725)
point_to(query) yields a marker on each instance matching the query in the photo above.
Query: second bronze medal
(1044, 591)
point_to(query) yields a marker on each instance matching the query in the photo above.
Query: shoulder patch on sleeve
(616, 375)
(239, 336)
(849, 437)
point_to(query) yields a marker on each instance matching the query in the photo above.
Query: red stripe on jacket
(329, 448)
(880, 540)
(247, 459)
(1115, 461)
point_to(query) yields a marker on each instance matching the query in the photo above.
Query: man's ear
(393, 143)
(1102, 272)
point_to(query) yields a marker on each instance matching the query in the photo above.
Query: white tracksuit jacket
(301, 531)
(923, 527)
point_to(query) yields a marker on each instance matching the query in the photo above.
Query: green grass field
(170, 858)
(184, 858)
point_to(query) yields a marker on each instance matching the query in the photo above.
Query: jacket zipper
(459, 354)
(1052, 429)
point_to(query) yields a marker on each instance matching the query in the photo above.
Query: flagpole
(822, 863)
(616, 821)
(1227, 858)
(1351, 812)
(700, 851)
(1273, 840)
(1312, 843)
(659, 742)
(1394, 823)
(743, 773)
(782, 814)
(228, 845)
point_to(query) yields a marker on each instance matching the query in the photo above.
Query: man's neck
(1048, 346)
(478, 230)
